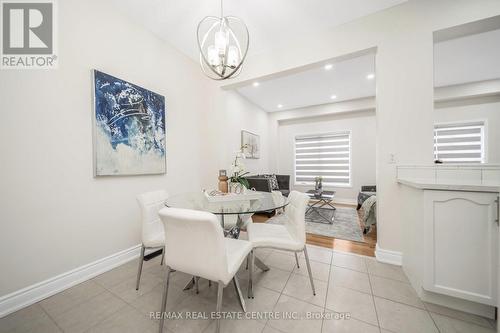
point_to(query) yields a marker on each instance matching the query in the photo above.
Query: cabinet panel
(461, 242)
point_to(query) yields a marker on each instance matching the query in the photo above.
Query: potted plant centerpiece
(238, 183)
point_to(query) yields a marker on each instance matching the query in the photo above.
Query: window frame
(325, 185)
(462, 123)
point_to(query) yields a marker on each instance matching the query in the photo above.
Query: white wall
(362, 126)
(54, 215)
(490, 112)
(231, 114)
(403, 37)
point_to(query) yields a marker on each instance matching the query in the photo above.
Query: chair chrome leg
(190, 284)
(309, 270)
(250, 274)
(297, 259)
(220, 291)
(141, 260)
(196, 284)
(238, 292)
(260, 264)
(164, 300)
(162, 256)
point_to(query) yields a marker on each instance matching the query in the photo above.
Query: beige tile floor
(377, 297)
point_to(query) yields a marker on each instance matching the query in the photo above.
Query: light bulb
(221, 41)
(233, 57)
(213, 56)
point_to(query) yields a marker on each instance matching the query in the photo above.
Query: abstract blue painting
(129, 128)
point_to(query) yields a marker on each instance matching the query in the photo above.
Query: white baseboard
(388, 256)
(34, 293)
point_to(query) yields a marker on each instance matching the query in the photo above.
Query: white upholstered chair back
(150, 204)
(196, 243)
(296, 211)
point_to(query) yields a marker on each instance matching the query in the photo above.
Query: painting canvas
(129, 128)
(251, 142)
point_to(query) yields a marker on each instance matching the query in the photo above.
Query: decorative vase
(319, 185)
(235, 188)
(223, 185)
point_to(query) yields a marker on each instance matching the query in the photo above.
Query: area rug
(345, 223)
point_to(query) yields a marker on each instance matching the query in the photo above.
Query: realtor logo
(28, 34)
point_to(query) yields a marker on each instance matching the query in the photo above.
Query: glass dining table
(234, 213)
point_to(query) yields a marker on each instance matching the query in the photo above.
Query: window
(326, 155)
(459, 143)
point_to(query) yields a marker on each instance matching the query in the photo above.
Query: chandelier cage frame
(222, 23)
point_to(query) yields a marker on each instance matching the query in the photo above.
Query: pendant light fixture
(223, 44)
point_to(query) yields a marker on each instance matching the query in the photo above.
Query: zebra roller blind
(326, 155)
(459, 143)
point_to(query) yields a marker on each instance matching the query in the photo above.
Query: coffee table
(319, 200)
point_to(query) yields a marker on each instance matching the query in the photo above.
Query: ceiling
(269, 22)
(278, 21)
(467, 59)
(459, 60)
(346, 80)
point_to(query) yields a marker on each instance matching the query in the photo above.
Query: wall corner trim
(27, 296)
(388, 256)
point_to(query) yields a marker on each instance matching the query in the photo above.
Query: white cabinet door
(461, 244)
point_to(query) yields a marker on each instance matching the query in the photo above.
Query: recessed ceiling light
(328, 67)
(279, 106)
(333, 96)
(370, 76)
(256, 84)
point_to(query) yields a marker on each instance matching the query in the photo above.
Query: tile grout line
(107, 317)
(267, 321)
(373, 300)
(327, 289)
(429, 312)
(127, 303)
(490, 326)
(461, 320)
(50, 317)
(433, 321)
(355, 318)
(352, 270)
(391, 300)
(281, 293)
(77, 304)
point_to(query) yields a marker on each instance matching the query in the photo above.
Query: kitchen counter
(429, 184)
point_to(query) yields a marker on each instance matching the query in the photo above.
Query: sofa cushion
(283, 182)
(273, 182)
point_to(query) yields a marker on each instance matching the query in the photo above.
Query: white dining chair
(289, 235)
(197, 246)
(278, 199)
(153, 235)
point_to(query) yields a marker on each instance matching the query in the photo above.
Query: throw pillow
(273, 181)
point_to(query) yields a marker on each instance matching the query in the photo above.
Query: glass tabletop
(253, 202)
(321, 195)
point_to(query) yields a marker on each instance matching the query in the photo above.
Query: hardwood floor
(367, 248)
